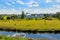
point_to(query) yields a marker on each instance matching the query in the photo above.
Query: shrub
(36, 19)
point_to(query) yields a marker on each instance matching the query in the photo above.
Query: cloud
(32, 4)
(47, 1)
(8, 3)
(9, 11)
(41, 10)
(56, 6)
(31, 11)
(20, 2)
(58, 0)
(13, 2)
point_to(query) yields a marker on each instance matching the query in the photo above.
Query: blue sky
(31, 6)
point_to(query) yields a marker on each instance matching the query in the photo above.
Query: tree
(14, 16)
(57, 15)
(47, 17)
(1, 18)
(22, 15)
(8, 18)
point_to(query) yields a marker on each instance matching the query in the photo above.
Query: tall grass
(31, 24)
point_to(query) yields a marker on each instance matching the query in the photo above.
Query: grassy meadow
(39, 25)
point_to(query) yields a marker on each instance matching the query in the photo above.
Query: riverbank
(30, 31)
(34, 26)
(2, 37)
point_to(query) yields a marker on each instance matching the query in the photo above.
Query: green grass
(14, 38)
(40, 25)
(11, 38)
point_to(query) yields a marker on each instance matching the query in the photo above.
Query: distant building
(35, 15)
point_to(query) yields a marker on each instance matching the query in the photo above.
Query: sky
(30, 6)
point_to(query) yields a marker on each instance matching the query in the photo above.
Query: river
(37, 35)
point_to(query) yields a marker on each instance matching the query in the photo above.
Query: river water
(37, 35)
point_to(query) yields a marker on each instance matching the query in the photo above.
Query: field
(40, 25)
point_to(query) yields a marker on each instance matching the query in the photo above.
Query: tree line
(23, 15)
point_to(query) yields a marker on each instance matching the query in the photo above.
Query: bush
(30, 39)
(47, 18)
(36, 19)
(8, 18)
(29, 18)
